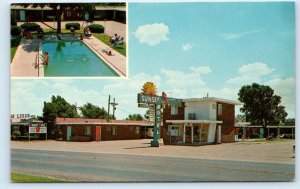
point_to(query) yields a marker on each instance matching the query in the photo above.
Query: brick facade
(123, 132)
(227, 127)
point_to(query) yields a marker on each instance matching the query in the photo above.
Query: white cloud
(286, 88)
(187, 47)
(125, 92)
(250, 73)
(201, 69)
(233, 36)
(152, 34)
(255, 68)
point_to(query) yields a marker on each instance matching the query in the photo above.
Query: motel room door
(188, 134)
(98, 133)
(69, 133)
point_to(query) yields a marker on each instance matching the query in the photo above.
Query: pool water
(73, 58)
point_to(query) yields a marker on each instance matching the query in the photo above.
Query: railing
(38, 57)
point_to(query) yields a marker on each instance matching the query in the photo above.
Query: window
(213, 106)
(114, 130)
(219, 109)
(87, 130)
(69, 13)
(174, 110)
(137, 130)
(174, 130)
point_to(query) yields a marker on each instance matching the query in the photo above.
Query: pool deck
(23, 64)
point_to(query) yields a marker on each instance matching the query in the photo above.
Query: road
(98, 167)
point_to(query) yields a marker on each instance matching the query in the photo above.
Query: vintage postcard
(153, 92)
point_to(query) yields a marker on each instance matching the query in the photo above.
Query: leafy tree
(92, 111)
(59, 8)
(135, 117)
(290, 122)
(240, 118)
(261, 105)
(58, 107)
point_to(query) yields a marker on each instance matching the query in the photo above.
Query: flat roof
(213, 99)
(86, 121)
(193, 121)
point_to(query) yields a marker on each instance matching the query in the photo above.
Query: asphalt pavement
(99, 167)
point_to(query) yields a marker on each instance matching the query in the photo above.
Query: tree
(135, 117)
(290, 122)
(59, 8)
(92, 111)
(261, 105)
(58, 107)
(240, 118)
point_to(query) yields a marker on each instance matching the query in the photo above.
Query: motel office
(200, 121)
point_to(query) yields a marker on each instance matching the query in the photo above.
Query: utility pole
(114, 104)
(108, 107)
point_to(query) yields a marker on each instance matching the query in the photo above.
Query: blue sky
(187, 50)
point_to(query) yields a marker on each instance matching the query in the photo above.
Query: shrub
(31, 26)
(13, 21)
(16, 133)
(15, 30)
(96, 28)
(289, 136)
(15, 40)
(76, 26)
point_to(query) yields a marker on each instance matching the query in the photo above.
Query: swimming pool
(73, 58)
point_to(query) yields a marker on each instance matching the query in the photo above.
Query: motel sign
(147, 101)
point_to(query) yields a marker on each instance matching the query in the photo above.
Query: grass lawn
(12, 52)
(21, 178)
(105, 39)
(13, 47)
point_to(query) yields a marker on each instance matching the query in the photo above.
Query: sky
(188, 50)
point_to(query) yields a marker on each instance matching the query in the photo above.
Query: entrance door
(98, 133)
(69, 133)
(188, 134)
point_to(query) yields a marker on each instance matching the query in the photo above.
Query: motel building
(81, 130)
(200, 121)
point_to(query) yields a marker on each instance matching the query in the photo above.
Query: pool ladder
(38, 57)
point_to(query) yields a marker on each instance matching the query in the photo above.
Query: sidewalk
(279, 152)
(23, 64)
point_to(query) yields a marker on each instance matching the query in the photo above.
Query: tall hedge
(76, 26)
(15, 30)
(96, 28)
(31, 26)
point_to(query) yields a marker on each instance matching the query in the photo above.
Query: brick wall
(227, 128)
(124, 132)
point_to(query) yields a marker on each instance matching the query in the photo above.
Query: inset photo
(68, 40)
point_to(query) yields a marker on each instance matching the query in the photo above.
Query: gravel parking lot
(275, 152)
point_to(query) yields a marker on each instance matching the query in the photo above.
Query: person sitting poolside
(87, 31)
(114, 38)
(118, 42)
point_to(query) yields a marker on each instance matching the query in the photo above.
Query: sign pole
(156, 128)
